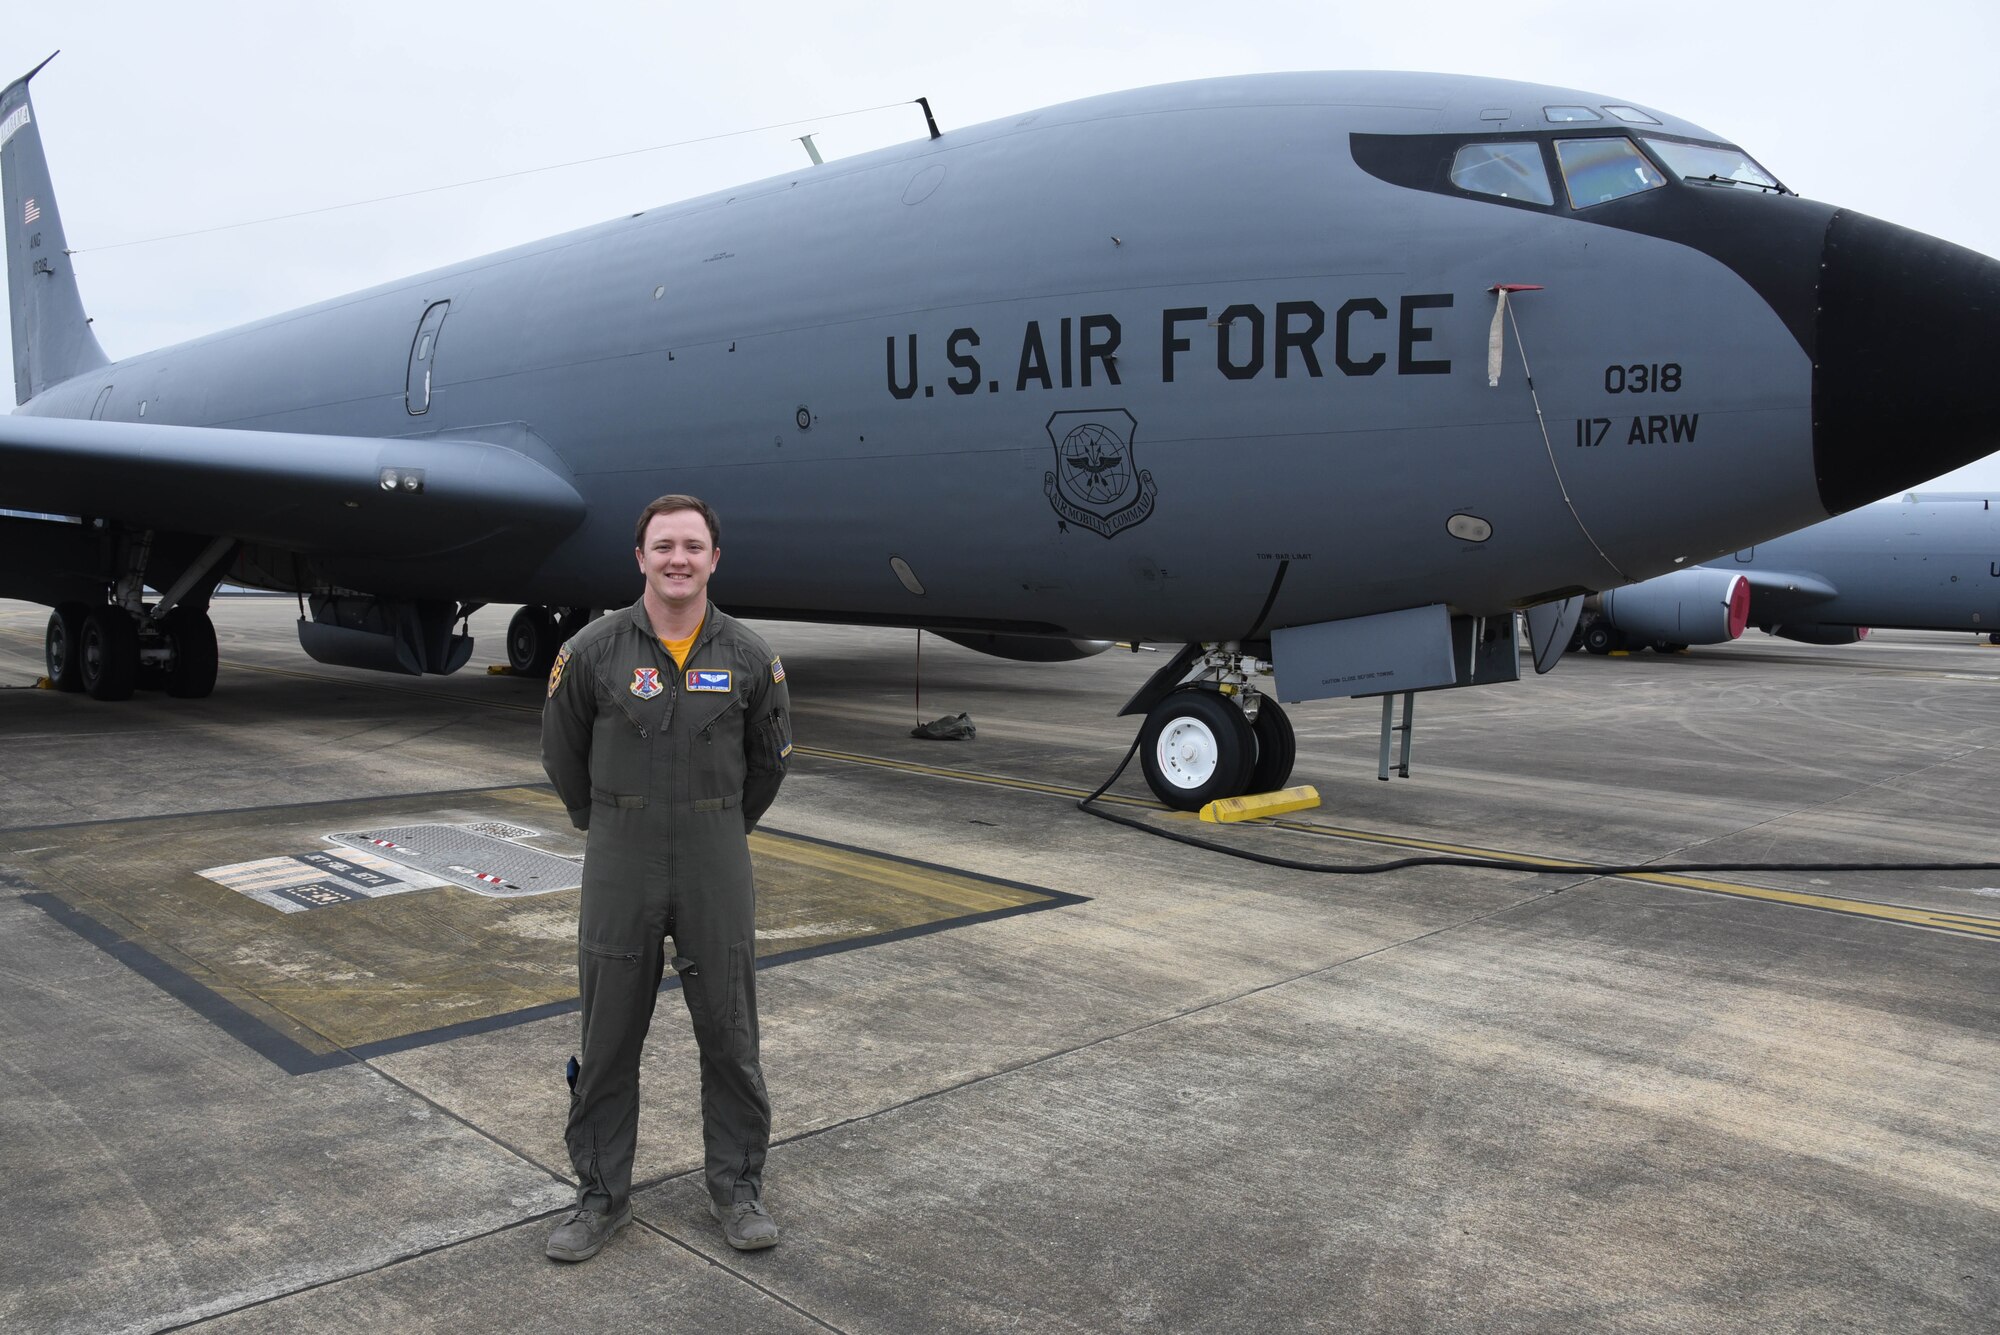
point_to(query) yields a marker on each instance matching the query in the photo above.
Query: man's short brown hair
(667, 505)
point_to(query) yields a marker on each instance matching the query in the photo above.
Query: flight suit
(667, 766)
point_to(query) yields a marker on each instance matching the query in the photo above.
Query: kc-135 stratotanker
(1323, 376)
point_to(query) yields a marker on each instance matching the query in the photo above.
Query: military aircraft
(1928, 562)
(1323, 376)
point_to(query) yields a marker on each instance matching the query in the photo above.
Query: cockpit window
(1600, 170)
(1708, 164)
(1511, 171)
(1569, 115)
(1632, 114)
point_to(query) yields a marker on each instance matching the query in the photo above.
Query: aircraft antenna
(929, 119)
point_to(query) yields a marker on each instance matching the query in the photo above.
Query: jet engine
(1697, 606)
(1811, 632)
(1025, 648)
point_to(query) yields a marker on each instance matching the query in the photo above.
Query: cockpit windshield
(1711, 164)
(1602, 169)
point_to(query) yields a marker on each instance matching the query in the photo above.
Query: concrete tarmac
(1030, 1070)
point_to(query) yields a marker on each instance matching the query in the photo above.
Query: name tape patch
(708, 679)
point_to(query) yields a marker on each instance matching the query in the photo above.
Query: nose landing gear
(1215, 735)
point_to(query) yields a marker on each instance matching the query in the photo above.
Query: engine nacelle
(1813, 633)
(1696, 606)
(1025, 648)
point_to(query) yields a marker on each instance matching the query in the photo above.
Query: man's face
(677, 558)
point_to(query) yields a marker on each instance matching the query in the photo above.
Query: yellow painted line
(1934, 919)
(974, 776)
(959, 893)
(1867, 908)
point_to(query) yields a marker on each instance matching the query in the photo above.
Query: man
(666, 734)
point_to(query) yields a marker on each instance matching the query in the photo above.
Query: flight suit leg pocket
(720, 1002)
(700, 985)
(743, 997)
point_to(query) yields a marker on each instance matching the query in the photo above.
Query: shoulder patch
(777, 668)
(556, 672)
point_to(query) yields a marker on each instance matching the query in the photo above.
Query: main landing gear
(536, 633)
(109, 653)
(1214, 735)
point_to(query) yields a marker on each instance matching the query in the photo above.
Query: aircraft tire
(1599, 638)
(194, 658)
(1196, 747)
(1277, 748)
(532, 642)
(63, 647)
(110, 658)
(1993, 637)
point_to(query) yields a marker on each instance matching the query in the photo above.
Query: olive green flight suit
(667, 766)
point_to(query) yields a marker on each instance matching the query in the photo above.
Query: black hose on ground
(1495, 864)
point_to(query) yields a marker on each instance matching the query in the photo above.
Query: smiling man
(666, 734)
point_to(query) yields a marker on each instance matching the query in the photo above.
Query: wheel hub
(1188, 753)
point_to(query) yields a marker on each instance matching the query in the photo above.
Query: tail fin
(52, 339)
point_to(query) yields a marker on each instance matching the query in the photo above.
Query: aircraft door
(423, 351)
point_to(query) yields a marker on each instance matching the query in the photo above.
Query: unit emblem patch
(1097, 484)
(708, 679)
(555, 673)
(646, 683)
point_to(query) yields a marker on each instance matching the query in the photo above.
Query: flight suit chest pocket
(621, 746)
(715, 746)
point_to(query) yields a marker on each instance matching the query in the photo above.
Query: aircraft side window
(1712, 164)
(1598, 171)
(1511, 171)
(1569, 115)
(423, 350)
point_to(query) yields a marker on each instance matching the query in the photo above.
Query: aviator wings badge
(1096, 483)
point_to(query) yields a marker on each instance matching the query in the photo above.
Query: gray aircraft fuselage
(1912, 565)
(1102, 369)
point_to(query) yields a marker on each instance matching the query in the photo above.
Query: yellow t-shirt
(678, 649)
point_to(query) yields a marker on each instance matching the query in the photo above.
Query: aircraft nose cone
(1908, 343)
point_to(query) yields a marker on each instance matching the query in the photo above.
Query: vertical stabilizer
(52, 339)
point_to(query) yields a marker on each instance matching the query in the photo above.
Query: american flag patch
(777, 669)
(30, 213)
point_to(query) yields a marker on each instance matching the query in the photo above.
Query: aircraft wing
(1780, 595)
(387, 497)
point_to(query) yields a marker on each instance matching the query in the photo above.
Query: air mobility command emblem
(555, 673)
(1096, 483)
(646, 683)
(708, 679)
(777, 669)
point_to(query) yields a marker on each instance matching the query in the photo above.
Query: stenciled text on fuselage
(1361, 337)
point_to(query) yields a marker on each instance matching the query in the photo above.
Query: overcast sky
(162, 119)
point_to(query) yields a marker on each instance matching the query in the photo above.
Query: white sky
(167, 118)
